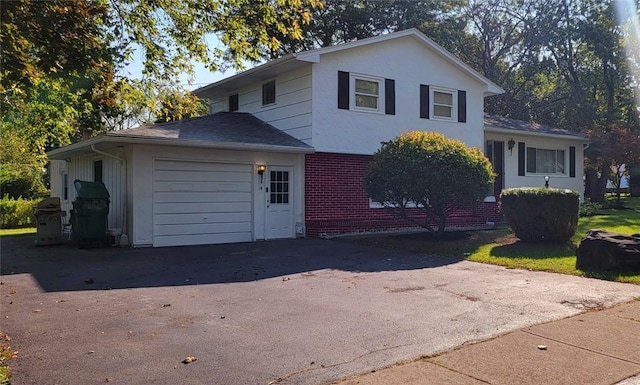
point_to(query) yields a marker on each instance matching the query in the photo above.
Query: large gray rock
(602, 250)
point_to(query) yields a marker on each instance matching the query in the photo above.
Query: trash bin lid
(91, 190)
(49, 204)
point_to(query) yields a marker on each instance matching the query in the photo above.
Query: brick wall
(336, 201)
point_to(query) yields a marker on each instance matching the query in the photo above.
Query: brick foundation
(336, 201)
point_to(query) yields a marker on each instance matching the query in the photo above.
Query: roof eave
(252, 71)
(64, 152)
(500, 130)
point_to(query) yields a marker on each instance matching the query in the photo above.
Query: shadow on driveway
(67, 268)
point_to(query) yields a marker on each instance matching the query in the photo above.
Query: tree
(428, 172)
(340, 21)
(177, 104)
(608, 152)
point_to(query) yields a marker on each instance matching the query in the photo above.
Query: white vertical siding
(113, 176)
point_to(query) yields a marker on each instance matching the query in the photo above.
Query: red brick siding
(336, 201)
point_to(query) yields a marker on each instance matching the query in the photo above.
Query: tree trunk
(596, 186)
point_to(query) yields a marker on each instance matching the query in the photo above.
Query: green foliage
(430, 171)
(588, 208)
(17, 212)
(5, 356)
(541, 214)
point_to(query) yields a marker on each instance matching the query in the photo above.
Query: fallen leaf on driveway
(542, 347)
(88, 281)
(189, 360)
(166, 305)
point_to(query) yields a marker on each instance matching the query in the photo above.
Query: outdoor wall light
(261, 169)
(510, 145)
(546, 181)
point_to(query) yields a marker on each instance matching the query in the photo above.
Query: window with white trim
(367, 92)
(443, 103)
(545, 161)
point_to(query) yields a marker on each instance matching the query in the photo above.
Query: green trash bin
(90, 211)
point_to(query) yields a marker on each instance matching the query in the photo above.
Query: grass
(510, 252)
(22, 231)
(5, 356)
(501, 247)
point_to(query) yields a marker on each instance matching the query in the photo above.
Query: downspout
(123, 161)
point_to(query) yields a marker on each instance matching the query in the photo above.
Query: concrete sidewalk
(596, 347)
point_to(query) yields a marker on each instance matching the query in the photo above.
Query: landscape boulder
(603, 250)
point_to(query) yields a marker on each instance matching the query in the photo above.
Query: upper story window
(545, 161)
(233, 103)
(367, 93)
(443, 105)
(269, 93)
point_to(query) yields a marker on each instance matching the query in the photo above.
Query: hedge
(541, 214)
(16, 213)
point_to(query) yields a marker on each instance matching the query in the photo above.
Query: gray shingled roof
(496, 121)
(222, 127)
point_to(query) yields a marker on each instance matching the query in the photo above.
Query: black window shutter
(521, 158)
(462, 106)
(343, 90)
(424, 101)
(389, 96)
(572, 161)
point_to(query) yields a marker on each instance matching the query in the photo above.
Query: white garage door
(201, 203)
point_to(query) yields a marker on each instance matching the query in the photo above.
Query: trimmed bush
(589, 209)
(17, 213)
(541, 214)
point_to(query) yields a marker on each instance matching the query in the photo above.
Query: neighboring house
(286, 148)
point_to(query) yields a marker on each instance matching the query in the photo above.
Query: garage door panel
(179, 165)
(203, 228)
(201, 203)
(202, 239)
(218, 217)
(200, 186)
(202, 197)
(171, 208)
(197, 176)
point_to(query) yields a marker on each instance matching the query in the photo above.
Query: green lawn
(506, 250)
(23, 231)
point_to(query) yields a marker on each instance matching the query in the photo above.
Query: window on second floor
(269, 92)
(545, 161)
(443, 104)
(233, 103)
(366, 93)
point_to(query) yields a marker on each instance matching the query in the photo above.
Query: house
(286, 147)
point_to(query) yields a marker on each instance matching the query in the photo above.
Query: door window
(279, 187)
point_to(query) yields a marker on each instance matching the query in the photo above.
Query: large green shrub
(428, 172)
(541, 214)
(17, 213)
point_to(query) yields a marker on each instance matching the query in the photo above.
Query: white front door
(279, 195)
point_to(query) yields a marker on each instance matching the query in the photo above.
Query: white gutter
(509, 131)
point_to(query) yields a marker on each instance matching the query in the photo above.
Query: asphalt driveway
(290, 312)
